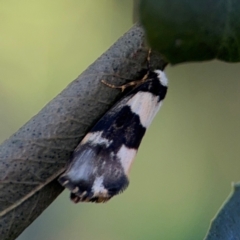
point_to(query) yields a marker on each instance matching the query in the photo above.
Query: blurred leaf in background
(185, 30)
(187, 160)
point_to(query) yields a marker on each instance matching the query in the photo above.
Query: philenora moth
(100, 164)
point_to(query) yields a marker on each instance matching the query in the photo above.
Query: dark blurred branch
(36, 154)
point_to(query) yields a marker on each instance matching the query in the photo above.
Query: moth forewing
(101, 163)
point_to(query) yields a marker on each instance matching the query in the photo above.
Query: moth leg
(112, 85)
(132, 83)
(124, 86)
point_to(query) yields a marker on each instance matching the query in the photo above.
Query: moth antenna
(148, 58)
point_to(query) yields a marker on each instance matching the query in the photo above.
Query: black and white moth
(101, 163)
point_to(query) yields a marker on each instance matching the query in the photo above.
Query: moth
(101, 163)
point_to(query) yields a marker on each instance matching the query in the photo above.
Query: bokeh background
(189, 156)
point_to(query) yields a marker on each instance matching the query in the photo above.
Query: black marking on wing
(122, 127)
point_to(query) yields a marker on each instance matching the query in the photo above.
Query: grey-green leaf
(226, 224)
(199, 30)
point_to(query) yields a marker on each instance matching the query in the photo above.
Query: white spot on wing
(65, 183)
(96, 138)
(98, 188)
(126, 156)
(162, 77)
(81, 170)
(146, 105)
(75, 190)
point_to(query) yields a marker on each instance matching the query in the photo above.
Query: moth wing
(97, 174)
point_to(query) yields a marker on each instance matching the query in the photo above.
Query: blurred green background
(189, 156)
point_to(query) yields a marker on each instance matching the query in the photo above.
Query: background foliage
(189, 156)
(185, 30)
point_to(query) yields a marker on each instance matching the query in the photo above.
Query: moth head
(162, 77)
